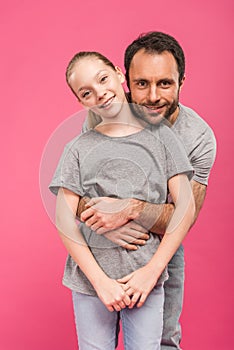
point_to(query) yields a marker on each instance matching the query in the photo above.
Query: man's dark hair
(155, 42)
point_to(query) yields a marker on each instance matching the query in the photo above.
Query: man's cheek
(137, 97)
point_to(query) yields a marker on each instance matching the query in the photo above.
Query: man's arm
(199, 192)
(103, 214)
(82, 206)
(153, 217)
(129, 235)
(151, 211)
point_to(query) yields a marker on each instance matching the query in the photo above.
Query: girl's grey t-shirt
(135, 166)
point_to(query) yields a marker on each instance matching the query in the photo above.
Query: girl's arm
(140, 283)
(109, 291)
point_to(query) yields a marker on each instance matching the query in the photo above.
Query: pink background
(37, 40)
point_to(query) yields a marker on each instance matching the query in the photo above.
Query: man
(155, 67)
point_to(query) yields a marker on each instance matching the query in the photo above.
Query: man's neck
(174, 116)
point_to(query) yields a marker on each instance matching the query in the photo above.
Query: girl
(119, 158)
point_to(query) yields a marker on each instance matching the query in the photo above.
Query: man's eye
(165, 83)
(141, 83)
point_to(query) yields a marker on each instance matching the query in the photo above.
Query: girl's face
(98, 86)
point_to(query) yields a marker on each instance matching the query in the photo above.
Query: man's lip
(154, 108)
(106, 103)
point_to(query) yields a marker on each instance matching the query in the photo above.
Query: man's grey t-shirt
(198, 140)
(137, 166)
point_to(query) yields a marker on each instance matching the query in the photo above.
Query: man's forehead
(147, 63)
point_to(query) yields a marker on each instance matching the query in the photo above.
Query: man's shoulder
(194, 132)
(164, 134)
(188, 118)
(162, 130)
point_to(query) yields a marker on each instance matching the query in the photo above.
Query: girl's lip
(107, 103)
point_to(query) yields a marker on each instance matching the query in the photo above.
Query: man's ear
(120, 74)
(182, 82)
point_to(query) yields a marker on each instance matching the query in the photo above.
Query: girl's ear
(120, 74)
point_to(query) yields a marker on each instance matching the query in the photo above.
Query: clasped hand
(128, 291)
(114, 218)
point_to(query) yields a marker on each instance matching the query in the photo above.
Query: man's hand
(82, 206)
(128, 236)
(104, 214)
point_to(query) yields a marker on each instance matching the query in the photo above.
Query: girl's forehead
(87, 71)
(91, 62)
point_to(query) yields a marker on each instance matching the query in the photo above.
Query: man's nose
(153, 94)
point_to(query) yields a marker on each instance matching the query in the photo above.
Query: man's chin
(153, 118)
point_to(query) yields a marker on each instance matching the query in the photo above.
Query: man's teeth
(153, 107)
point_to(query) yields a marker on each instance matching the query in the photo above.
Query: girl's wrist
(99, 279)
(155, 269)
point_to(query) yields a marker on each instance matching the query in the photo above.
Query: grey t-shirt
(137, 166)
(198, 140)
(196, 136)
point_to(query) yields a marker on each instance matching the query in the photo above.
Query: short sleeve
(177, 161)
(67, 173)
(203, 156)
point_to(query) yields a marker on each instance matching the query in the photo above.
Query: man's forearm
(199, 192)
(155, 217)
(81, 206)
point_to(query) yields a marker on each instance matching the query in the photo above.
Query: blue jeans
(174, 292)
(96, 326)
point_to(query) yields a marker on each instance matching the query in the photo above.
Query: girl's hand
(139, 284)
(112, 294)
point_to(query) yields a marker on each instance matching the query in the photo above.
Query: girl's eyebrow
(98, 73)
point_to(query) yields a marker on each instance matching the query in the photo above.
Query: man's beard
(140, 111)
(171, 109)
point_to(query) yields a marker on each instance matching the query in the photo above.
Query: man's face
(154, 84)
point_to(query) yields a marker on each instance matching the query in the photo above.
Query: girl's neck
(122, 125)
(118, 129)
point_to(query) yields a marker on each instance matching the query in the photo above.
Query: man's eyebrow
(169, 80)
(139, 79)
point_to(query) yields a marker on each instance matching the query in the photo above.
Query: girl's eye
(103, 79)
(85, 94)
